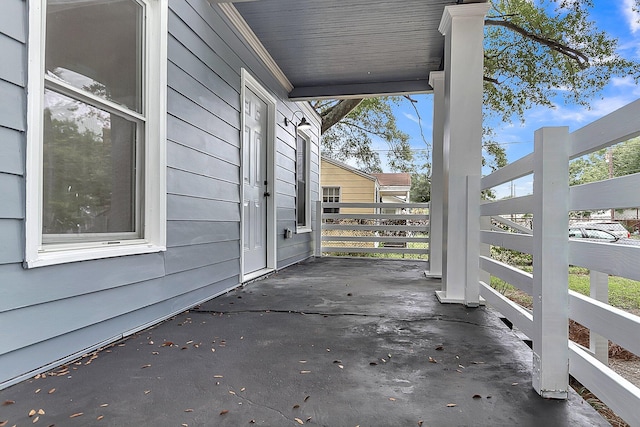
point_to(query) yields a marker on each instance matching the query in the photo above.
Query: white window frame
(306, 227)
(339, 196)
(154, 213)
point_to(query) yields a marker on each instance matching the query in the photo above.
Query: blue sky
(614, 17)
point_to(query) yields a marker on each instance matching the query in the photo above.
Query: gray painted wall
(50, 313)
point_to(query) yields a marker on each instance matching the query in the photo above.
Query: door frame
(249, 82)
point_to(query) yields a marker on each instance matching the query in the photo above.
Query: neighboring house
(149, 161)
(343, 183)
(394, 188)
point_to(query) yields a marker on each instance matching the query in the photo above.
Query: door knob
(267, 194)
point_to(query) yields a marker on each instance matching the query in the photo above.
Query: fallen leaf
(306, 398)
(77, 414)
(145, 366)
(37, 391)
(303, 361)
(213, 350)
(296, 406)
(477, 396)
(250, 422)
(51, 391)
(155, 352)
(341, 366)
(478, 363)
(451, 405)
(373, 363)
(147, 391)
(461, 367)
(232, 392)
(488, 397)
(305, 372)
(224, 411)
(104, 405)
(393, 399)
(308, 419)
(40, 411)
(514, 383)
(8, 402)
(35, 420)
(439, 348)
(337, 361)
(432, 360)
(32, 412)
(420, 422)
(299, 421)
(218, 376)
(4, 423)
(189, 342)
(188, 410)
(459, 371)
(99, 417)
(184, 425)
(166, 344)
(150, 342)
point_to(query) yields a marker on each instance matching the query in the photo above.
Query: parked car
(597, 235)
(612, 227)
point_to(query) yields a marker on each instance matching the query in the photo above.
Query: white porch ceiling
(350, 48)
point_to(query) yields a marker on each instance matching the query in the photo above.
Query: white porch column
(462, 25)
(436, 80)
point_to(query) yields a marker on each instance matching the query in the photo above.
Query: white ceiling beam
(360, 90)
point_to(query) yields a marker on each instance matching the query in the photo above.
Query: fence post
(318, 230)
(472, 286)
(550, 263)
(599, 290)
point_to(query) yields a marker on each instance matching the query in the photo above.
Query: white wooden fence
(365, 228)
(553, 304)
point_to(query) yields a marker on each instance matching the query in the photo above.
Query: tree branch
(334, 114)
(581, 59)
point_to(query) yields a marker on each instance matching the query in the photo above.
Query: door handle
(267, 194)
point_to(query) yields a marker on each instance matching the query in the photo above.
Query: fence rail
(368, 228)
(553, 253)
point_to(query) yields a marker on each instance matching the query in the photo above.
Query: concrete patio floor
(329, 342)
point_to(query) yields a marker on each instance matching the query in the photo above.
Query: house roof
(345, 166)
(345, 48)
(393, 179)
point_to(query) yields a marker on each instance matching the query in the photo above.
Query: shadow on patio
(331, 342)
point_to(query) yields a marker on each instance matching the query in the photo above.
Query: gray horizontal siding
(184, 233)
(12, 246)
(189, 160)
(190, 208)
(11, 151)
(13, 19)
(64, 281)
(12, 190)
(188, 135)
(184, 258)
(189, 184)
(12, 54)
(12, 97)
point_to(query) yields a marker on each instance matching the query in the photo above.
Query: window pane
(96, 46)
(301, 177)
(89, 164)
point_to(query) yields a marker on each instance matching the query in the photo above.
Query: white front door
(254, 168)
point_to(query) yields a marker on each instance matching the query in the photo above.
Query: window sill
(86, 253)
(303, 230)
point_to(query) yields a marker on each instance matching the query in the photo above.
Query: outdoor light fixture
(303, 125)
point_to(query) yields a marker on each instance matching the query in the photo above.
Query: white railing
(553, 304)
(372, 228)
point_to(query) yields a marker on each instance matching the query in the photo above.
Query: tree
(596, 166)
(534, 52)
(353, 136)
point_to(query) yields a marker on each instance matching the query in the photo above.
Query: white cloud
(411, 117)
(632, 17)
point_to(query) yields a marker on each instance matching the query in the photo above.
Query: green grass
(623, 293)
